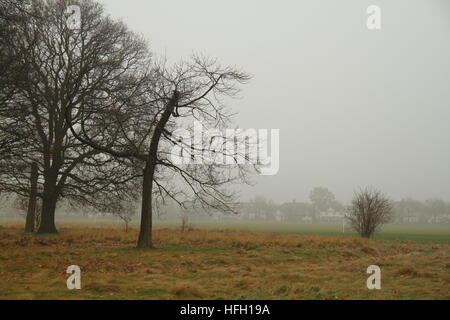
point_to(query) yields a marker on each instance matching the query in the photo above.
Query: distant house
(437, 220)
(296, 211)
(255, 211)
(307, 219)
(410, 219)
(331, 215)
(279, 216)
(447, 218)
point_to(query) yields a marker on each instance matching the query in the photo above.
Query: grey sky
(354, 107)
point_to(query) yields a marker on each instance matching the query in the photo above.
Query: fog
(355, 107)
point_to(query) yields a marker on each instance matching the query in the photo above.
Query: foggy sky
(354, 107)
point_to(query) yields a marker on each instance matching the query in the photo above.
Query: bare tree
(65, 67)
(125, 210)
(369, 210)
(173, 98)
(185, 214)
(120, 202)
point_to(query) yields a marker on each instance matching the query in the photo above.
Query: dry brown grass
(216, 264)
(186, 290)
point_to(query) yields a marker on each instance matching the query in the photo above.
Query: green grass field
(411, 232)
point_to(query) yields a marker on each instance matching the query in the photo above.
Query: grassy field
(229, 263)
(413, 232)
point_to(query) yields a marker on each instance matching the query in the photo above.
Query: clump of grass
(187, 290)
(103, 288)
(370, 251)
(282, 289)
(407, 271)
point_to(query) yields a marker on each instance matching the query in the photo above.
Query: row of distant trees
(431, 210)
(367, 212)
(322, 199)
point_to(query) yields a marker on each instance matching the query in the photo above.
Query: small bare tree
(126, 213)
(184, 222)
(185, 212)
(368, 211)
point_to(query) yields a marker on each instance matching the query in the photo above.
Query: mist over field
(212, 150)
(354, 107)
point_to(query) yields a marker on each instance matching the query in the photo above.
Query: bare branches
(144, 126)
(96, 113)
(369, 210)
(69, 73)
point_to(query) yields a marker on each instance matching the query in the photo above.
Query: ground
(227, 263)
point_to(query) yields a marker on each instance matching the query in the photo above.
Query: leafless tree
(185, 213)
(66, 67)
(369, 210)
(125, 210)
(172, 98)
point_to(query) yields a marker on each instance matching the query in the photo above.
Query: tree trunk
(48, 216)
(145, 233)
(50, 198)
(30, 221)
